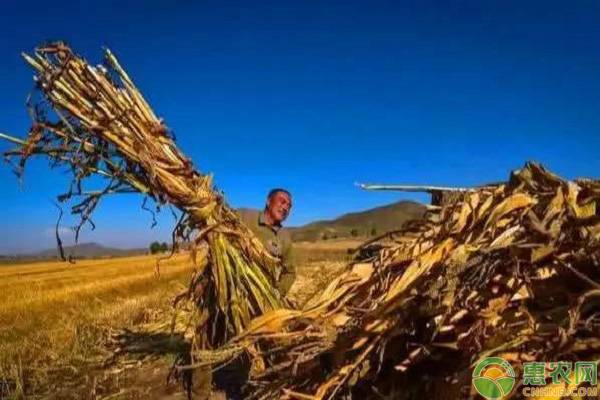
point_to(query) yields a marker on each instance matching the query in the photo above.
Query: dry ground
(56, 320)
(55, 316)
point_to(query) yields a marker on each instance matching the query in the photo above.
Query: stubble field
(57, 319)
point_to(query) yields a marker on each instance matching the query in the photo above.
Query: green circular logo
(493, 378)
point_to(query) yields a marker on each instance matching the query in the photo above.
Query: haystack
(510, 270)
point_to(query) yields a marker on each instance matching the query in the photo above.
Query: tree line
(157, 247)
(353, 233)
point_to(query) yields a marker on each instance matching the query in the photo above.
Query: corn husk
(510, 270)
(94, 121)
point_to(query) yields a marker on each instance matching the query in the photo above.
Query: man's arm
(288, 276)
(288, 267)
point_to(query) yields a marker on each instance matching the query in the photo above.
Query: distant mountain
(361, 224)
(364, 223)
(86, 250)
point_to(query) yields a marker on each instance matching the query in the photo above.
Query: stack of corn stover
(510, 270)
(96, 122)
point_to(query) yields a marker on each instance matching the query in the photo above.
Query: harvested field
(54, 316)
(56, 319)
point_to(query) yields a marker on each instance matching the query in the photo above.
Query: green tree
(373, 231)
(154, 247)
(354, 232)
(164, 247)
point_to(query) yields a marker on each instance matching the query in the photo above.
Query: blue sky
(314, 96)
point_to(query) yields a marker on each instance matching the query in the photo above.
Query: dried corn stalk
(510, 270)
(94, 120)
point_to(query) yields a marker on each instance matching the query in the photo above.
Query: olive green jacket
(277, 241)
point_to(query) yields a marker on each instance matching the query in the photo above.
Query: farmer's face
(279, 206)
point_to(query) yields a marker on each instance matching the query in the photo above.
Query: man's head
(279, 204)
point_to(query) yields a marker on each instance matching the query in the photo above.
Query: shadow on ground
(144, 366)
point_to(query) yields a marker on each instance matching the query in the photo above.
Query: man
(267, 226)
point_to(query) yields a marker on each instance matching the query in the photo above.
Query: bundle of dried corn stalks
(510, 270)
(94, 120)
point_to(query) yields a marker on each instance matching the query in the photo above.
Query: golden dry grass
(324, 250)
(332, 244)
(55, 317)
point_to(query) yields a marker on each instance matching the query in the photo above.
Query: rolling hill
(364, 223)
(81, 251)
(90, 250)
(361, 224)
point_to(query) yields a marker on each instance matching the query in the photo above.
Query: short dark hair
(273, 192)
